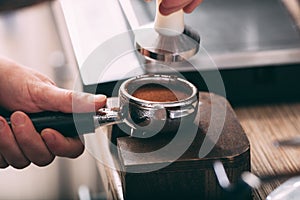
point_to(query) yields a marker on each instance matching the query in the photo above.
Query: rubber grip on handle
(170, 25)
(62, 122)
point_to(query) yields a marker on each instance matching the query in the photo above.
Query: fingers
(30, 141)
(169, 6)
(9, 148)
(191, 7)
(175, 3)
(62, 146)
(21, 144)
(57, 99)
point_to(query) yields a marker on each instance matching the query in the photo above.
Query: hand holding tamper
(170, 40)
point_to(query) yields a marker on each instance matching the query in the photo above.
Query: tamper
(170, 40)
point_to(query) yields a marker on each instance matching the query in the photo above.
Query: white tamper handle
(170, 25)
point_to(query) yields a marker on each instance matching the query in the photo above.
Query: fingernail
(97, 98)
(18, 119)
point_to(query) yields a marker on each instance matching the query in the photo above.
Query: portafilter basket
(152, 104)
(148, 104)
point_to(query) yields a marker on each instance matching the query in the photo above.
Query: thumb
(58, 99)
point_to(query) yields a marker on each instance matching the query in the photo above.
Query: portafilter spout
(170, 40)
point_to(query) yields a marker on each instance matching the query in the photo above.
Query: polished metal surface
(235, 34)
(169, 40)
(235, 25)
(107, 116)
(157, 47)
(151, 116)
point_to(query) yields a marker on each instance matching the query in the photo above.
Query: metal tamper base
(167, 48)
(169, 40)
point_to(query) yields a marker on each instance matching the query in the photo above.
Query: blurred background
(29, 36)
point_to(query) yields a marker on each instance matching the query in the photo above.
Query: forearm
(14, 4)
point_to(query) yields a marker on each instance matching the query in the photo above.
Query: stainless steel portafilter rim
(163, 80)
(151, 117)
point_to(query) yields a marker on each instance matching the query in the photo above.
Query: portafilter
(148, 104)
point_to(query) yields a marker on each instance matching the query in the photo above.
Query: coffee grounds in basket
(159, 93)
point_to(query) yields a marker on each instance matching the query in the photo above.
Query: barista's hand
(169, 6)
(25, 90)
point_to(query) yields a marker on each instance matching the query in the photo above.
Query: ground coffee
(159, 93)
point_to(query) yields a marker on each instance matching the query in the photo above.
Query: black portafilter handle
(62, 122)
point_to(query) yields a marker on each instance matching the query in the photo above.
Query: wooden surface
(264, 125)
